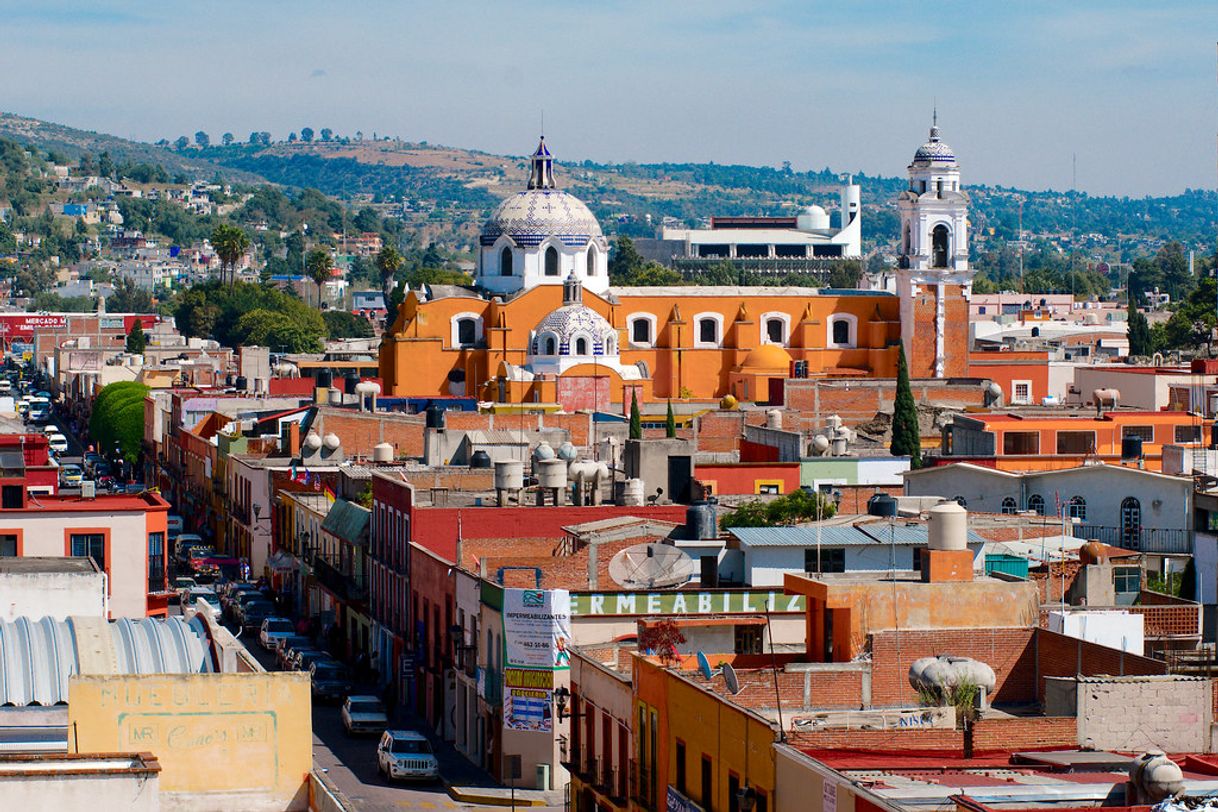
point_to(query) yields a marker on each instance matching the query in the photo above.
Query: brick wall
(361, 431)
(859, 401)
(989, 736)
(1060, 656)
(799, 691)
(1008, 651)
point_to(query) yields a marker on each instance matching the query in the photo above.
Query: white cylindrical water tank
(336, 397)
(551, 473)
(312, 441)
(1106, 397)
(833, 422)
(567, 452)
(820, 444)
(632, 494)
(509, 475)
(382, 452)
(582, 471)
(543, 451)
(331, 441)
(947, 527)
(838, 446)
(773, 419)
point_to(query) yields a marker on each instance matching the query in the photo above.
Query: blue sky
(1021, 86)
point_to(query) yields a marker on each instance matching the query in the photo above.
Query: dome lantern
(541, 174)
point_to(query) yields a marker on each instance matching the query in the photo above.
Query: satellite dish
(651, 566)
(730, 679)
(704, 666)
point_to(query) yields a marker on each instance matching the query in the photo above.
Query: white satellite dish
(651, 566)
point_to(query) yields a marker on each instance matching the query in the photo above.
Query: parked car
(70, 476)
(57, 443)
(364, 714)
(182, 545)
(405, 754)
(232, 597)
(91, 459)
(197, 554)
(303, 658)
(274, 629)
(209, 598)
(182, 586)
(331, 679)
(252, 613)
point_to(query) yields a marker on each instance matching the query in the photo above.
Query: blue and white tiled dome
(569, 322)
(529, 217)
(934, 151)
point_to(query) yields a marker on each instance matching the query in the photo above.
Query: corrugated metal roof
(348, 521)
(38, 656)
(835, 536)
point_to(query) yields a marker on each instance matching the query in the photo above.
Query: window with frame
(581, 346)
(156, 562)
(1021, 442)
(1075, 442)
(467, 332)
(708, 782)
(841, 332)
(640, 331)
(1131, 521)
(832, 559)
(708, 331)
(1147, 433)
(1009, 505)
(8, 545)
(505, 262)
(748, 640)
(1076, 508)
(776, 331)
(551, 261)
(1127, 579)
(92, 545)
(1036, 504)
(1021, 392)
(680, 765)
(1188, 434)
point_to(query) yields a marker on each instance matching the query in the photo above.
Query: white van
(58, 443)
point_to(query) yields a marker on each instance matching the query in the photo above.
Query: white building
(55, 587)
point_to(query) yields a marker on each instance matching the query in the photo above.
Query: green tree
(388, 262)
(670, 422)
(795, 507)
(136, 340)
(118, 418)
(1139, 331)
(636, 419)
(906, 438)
(202, 139)
(276, 330)
(227, 139)
(230, 244)
(306, 134)
(341, 324)
(129, 298)
(318, 267)
(625, 260)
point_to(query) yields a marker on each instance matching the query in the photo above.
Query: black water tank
(479, 459)
(700, 521)
(325, 378)
(1131, 447)
(350, 382)
(434, 416)
(241, 383)
(882, 504)
(230, 379)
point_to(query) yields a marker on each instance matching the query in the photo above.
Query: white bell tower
(934, 281)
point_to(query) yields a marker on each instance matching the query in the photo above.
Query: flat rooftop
(50, 564)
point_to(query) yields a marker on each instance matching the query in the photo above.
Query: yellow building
(542, 323)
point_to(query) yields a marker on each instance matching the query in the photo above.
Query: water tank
(242, 383)
(881, 504)
(325, 378)
(509, 475)
(230, 380)
(336, 397)
(773, 419)
(331, 441)
(1154, 777)
(938, 674)
(479, 459)
(1131, 447)
(820, 444)
(350, 381)
(1106, 397)
(382, 452)
(833, 422)
(632, 492)
(366, 388)
(700, 521)
(433, 416)
(567, 452)
(838, 447)
(582, 471)
(312, 441)
(543, 451)
(947, 527)
(551, 473)
(993, 393)
(812, 218)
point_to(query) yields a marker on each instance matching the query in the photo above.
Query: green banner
(594, 604)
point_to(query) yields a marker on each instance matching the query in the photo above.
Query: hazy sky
(1021, 86)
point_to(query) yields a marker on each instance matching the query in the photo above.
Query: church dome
(542, 211)
(767, 358)
(935, 151)
(531, 216)
(569, 323)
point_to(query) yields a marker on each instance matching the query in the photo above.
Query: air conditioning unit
(88, 489)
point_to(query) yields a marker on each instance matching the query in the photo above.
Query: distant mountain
(72, 143)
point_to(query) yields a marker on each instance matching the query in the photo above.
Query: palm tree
(388, 261)
(230, 243)
(318, 266)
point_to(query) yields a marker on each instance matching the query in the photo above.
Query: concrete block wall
(1173, 714)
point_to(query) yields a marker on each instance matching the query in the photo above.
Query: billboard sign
(537, 628)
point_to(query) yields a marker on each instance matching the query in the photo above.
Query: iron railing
(1142, 540)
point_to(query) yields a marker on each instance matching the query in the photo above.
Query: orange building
(542, 324)
(1040, 442)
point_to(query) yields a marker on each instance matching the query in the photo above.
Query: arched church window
(939, 239)
(841, 332)
(505, 262)
(581, 346)
(708, 331)
(640, 331)
(776, 331)
(551, 261)
(591, 259)
(467, 332)
(551, 346)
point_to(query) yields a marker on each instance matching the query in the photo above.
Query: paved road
(350, 763)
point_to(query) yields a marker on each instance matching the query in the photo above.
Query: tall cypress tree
(906, 439)
(670, 423)
(1139, 331)
(636, 419)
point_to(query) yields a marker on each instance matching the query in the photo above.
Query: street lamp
(746, 798)
(562, 696)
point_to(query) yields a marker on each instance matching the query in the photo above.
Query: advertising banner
(528, 709)
(722, 602)
(537, 627)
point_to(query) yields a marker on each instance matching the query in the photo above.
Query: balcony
(1142, 540)
(342, 585)
(642, 791)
